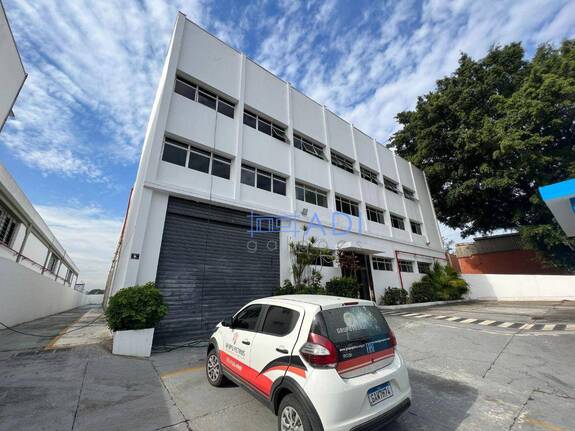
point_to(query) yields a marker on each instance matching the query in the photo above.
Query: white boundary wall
(515, 287)
(27, 295)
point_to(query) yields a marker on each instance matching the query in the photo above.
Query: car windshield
(356, 323)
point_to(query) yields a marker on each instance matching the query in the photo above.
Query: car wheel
(214, 369)
(292, 416)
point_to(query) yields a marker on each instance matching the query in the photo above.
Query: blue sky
(94, 65)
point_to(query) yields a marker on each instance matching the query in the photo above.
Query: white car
(319, 362)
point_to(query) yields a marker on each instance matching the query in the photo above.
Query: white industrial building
(230, 150)
(37, 276)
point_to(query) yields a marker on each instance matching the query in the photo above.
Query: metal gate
(210, 265)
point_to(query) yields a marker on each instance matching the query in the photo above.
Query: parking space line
(505, 325)
(548, 327)
(411, 314)
(451, 319)
(570, 327)
(487, 322)
(180, 371)
(423, 315)
(468, 321)
(439, 317)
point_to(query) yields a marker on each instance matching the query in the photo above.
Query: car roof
(319, 300)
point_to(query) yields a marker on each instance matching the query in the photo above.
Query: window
(199, 160)
(221, 167)
(346, 206)
(415, 227)
(279, 321)
(265, 126)
(311, 195)
(405, 266)
(175, 152)
(423, 267)
(382, 263)
(196, 159)
(309, 147)
(375, 215)
(409, 194)
(263, 180)
(390, 185)
(7, 227)
(205, 97)
(68, 275)
(52, 263)
(397, 222)
(247, 319)
(369, 175)
(342, 162)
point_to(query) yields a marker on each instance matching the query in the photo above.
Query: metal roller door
(210, 266)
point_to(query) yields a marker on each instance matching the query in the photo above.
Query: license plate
(379, 393)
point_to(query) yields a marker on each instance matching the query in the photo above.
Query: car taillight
(392, 338)
(319, 351)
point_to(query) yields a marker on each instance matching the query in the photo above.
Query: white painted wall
(26, 295)
(12, 73)
(513, 287)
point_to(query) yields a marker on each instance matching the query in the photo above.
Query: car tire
(291, 412)
(214, 372)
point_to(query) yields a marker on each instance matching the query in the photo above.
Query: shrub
(314, 288)
(342, 286)
(395, 296)
(136, 307)
(442, 283)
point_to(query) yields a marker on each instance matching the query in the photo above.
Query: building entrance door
(357, 265)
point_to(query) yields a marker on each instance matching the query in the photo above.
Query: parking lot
(514, 372)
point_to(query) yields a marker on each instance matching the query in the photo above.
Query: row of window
(386, 264)
(205, 97)
(210, 163)
(263, 180)
(226, 107)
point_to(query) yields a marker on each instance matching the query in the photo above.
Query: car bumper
(384, 418)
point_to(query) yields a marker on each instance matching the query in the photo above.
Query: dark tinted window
(174, 153)
(185, 89)
(278, 133)
(199, 161)
(264, 181)
(250, 120)
(248, 318)
(279, 186)
(280, 321)
(264, 126)
(221, 167)
(248, 176)
(225, 108)
(207, 99)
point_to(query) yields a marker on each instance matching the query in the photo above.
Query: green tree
(492, 133)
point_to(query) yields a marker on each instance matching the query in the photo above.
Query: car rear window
(355, 323)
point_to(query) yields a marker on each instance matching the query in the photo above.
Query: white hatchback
(319, 362)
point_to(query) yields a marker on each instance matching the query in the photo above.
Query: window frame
(342, 200)
(429, 264)
(391, 185)
(258, 320)
(316, 191)
(276, 130)
(308, 147)
(416, 227)
(402, 264)
(409, 194)
(208, 94)
(200, 152)
(382, 263)
(8, 225)
(369, 175)
(398, 217)
(273, 178)
(342, 162)
(378, 212)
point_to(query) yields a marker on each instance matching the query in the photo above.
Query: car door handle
(246, 342)
(282, 350)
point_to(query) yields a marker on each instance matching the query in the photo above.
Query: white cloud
(88, 235)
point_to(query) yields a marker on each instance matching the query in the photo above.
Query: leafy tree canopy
(492, 133)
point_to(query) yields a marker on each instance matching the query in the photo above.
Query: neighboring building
(26, 239)
(12, 73)
(499, 254)
(232, 150)
(560, 198)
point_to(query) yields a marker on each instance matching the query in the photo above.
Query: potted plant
(132, 314)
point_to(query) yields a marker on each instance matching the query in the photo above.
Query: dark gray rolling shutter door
(209, 267)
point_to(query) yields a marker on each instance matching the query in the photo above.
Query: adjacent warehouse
(235, 162)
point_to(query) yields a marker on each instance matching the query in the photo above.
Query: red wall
(505, 262)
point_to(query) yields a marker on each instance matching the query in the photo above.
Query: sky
(93, 67)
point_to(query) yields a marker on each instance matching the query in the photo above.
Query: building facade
(237, 165)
